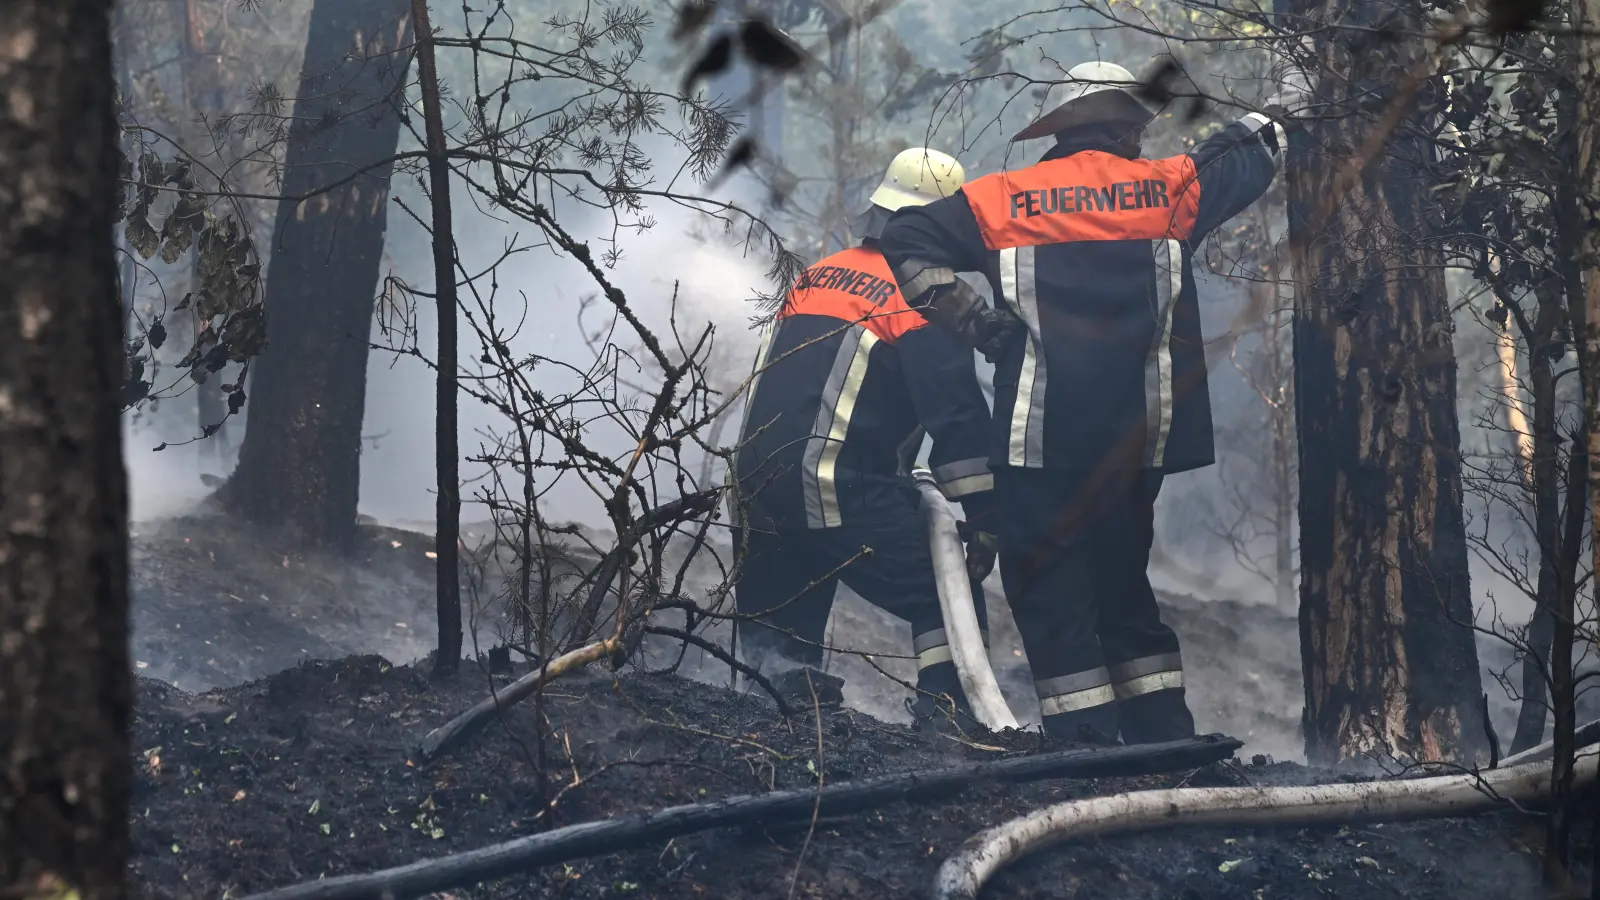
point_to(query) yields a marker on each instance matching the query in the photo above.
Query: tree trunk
(1585, 19)
(1535, 705)
(300, 463)
(65, 691)
(1283, 475)
(446, 450)
(1389, 660)
(1538, 457)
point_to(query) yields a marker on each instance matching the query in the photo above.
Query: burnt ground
(303, 772)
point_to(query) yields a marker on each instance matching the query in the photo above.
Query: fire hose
(956, 605)
(963, 875)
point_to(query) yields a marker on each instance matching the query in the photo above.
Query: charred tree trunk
(1544, 478)
(300, 463)
(1565, 551)
(65, 683)
(1389, 660)
(446, 450)
(1585, 268)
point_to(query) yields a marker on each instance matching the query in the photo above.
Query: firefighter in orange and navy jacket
(1100, 380)
(849, 382)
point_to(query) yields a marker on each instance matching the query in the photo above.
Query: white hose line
(963, 875)
(956, 605)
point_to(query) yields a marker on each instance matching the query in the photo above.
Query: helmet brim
(1106, 106)
(891, 198)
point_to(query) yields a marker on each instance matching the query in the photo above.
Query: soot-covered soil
(305, 774)
(217, 603)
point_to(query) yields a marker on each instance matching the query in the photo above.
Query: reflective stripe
(1085, 699)
(1067, 684)
(963, 477)
(966, 487)
(1027, 411)
(832, 425)
(1148, 684)
(933, 647)
(1168, 257)
(1146, 665)
(1256, 122)
(961, 468)
(1146, 675)
(756, 372)
(925, 280)
(934, 638)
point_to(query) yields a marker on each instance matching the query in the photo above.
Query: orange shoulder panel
(1088, 196)
(855, 285)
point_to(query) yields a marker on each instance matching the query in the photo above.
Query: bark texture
(64, 668)
(300, 463)
(1585, 21)
(1389, 660)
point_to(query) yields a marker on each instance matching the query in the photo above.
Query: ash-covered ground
(280, 755)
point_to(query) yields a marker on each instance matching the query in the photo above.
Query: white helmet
(918, 177)
(1093, 92)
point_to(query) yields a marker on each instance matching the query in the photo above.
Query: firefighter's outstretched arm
(1236, 166)
(926, 246)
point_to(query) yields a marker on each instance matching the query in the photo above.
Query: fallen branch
(437, 741)
(964, 874)
(1585, 735)
(685, 507)
(784, 709)
(629, 832)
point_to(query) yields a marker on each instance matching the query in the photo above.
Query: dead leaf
(692, 16)
(767, 46)
(715, 58)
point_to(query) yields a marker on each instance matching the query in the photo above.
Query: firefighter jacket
(1092, 252)
(849, 380)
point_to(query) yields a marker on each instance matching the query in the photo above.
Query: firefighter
(1100, 381)
(849, 382)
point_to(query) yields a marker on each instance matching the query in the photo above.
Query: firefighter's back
(829, 412)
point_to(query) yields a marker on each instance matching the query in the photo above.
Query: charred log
(611, 835)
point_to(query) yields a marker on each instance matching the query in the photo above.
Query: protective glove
(1293, 83)
(995, 328)
(952, 304)
(982, 548)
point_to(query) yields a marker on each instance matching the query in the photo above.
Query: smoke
(714, 287)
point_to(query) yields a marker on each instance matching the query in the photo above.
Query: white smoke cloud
(715, 284)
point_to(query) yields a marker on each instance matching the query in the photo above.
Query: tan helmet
(918, 177)
(1093, 92)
